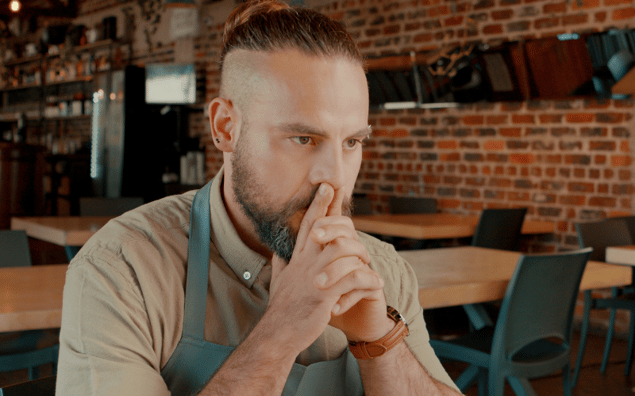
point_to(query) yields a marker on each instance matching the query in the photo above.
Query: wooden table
(468, 275)
(624, 255)
(68, 231)
(31, 297)
(434, 225)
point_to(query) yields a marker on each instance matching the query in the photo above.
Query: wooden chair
(532, 337)
(600, 235)
(23, 350)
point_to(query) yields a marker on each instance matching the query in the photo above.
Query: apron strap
(197, 265)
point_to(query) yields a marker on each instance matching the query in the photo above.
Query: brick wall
(567, 161)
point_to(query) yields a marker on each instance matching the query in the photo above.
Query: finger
(335, 271)
(360, 279)
(328, 233)
(349, 300)
(277, 265)
(316, 210)
(335, 208)
(344, 247)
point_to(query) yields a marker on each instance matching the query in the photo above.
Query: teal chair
(496, 229)
(25, 349)
(599, 235)
(40, 387)
(532, 337)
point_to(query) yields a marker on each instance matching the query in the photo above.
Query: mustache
(304, 203)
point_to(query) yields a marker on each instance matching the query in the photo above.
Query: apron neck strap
(197, 265)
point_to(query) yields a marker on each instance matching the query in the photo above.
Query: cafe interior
(501, 149)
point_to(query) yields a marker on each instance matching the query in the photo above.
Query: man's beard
(273, 226)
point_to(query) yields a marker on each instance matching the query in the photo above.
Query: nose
(328, 167)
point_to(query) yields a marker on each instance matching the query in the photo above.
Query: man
(258, 283)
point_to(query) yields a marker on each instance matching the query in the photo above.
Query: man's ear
(224, 120)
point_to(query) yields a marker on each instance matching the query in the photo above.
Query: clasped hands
(327, 281)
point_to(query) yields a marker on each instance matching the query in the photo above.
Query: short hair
(271, 25)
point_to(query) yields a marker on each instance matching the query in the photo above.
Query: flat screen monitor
(170, 83)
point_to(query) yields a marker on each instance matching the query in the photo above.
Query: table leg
(71, 251)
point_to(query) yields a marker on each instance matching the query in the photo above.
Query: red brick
(545, 23)
(438, 11)
(602, 201)
(494, 145)
(609, 173)
(554, 8)
(522, 158)
(447, 144)
(493, 29)
(603, 188)
(586, 4)
(550, 118)
(387, 121)
(599, 159)
(621, 160)
(616, 2)
(624, 13)
(510, 132)
(473, 205)
(398, 133)
(450, 157)
(609, 118)
(473, 120)
(600, 16)
(624, 146)
(580, 187)
(574, 19)
(393, 29)
(577, 200)
(499, 15)
(412, 26)
(496, 120)
(522, 119)
(498, 182)
(454, 20)
(579, 117)
(516, 196)
(423, 38)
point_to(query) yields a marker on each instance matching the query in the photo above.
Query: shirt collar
(245, 263)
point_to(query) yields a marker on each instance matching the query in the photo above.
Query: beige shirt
(124, 295)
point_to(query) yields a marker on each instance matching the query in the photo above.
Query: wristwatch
(373, 349)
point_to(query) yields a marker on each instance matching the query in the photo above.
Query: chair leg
(521, 386)
(609, 340)
(631, 345)
(483, 382)
(467, 378)
(496, 384)
(583, 334)
(566, 380)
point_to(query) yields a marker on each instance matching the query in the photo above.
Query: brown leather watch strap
(373, 349)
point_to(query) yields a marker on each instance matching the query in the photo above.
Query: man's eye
(303, 140)
(352, 143)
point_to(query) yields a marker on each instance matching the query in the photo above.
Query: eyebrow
(302, 129)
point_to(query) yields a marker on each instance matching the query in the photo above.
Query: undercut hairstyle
(271, 25)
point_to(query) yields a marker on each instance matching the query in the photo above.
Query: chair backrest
(39, 387)
(362, 206)
(406, 205)
(98, 206)
(499, 228)
(600, 234)
(14, 249)
(630, 224)
(539, 301)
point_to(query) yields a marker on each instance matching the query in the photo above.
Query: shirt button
(247, 275)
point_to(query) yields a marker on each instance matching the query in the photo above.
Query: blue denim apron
(195, 360)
